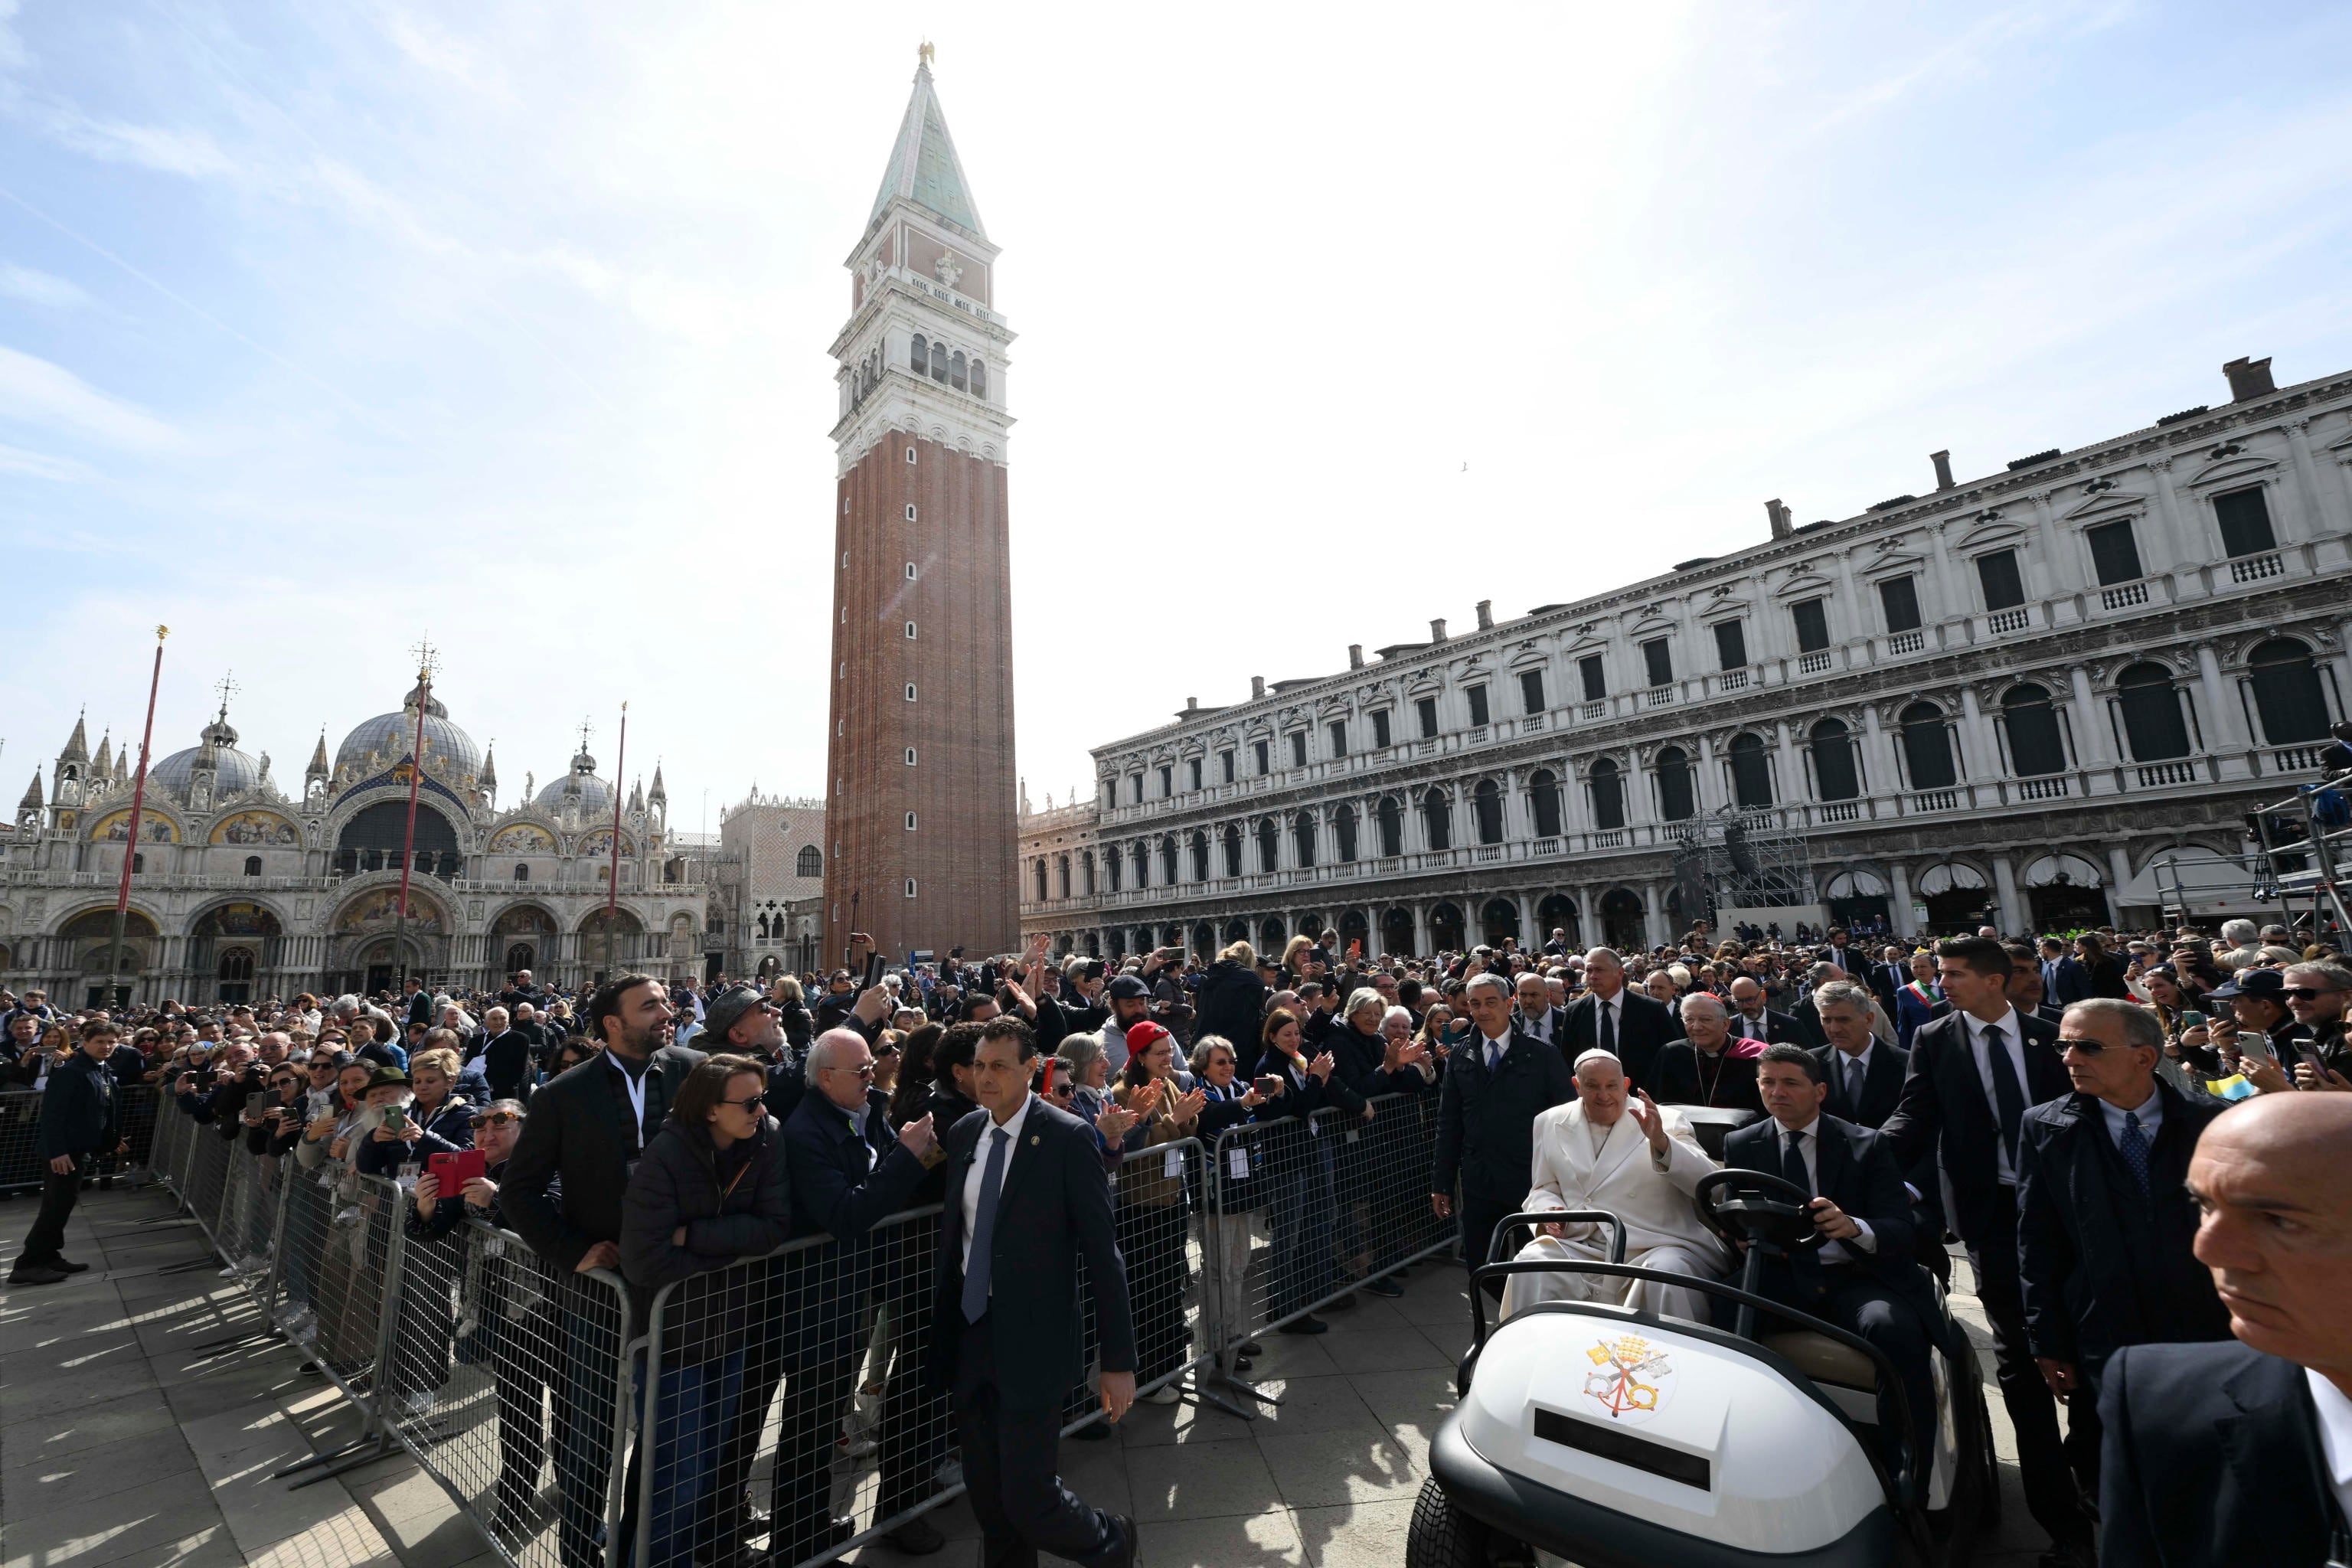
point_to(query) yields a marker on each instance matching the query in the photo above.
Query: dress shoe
(37, 1274)
(1383, 1286)
(1250, 1347)
(1305, 1326)
(68, 1265)
(1123, 1556)
(917, 1538)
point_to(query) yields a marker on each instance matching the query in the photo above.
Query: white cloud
(39, 465)
(171, 149)
(38, 288)
(36, 392)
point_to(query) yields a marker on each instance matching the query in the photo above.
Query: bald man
(2241, 1451)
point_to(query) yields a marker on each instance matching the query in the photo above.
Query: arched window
(1834, 775)
(919, 354)
(939, 361)
(1168, 860)
(1391, 824)
(1751, 774)
(1233, 837)
(1086, 870)
(1343, 832)
(2287, 692)
(955, 372)
(1200, 856)
(1302, 833)
(2035, 747)
(1062, 873)
(1677, 800)
(980, 378)
(253, 864)
(1041, 881)
(810, 862)
(521, 871)
(1543, 793)
(1927, 747)
(1141, 861)
(1608, 795)
(2153, 724)
(1437, 816)
(1269, 846)
(1486, 802)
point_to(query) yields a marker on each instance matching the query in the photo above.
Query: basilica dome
(594, 794)
(450, 753)
(235, 770)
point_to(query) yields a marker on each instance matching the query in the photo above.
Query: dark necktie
(1793, 1161)
(983, 1228)
(2132, 1146)
(1805, 1261)
(1854, 1079)
(1608, 1029)
(1494, 1054)
(2009, 1095)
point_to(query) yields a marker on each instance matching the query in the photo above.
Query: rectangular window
(1477, 705)
(1263, 765)
(910, 887)
(1531, 695)
(1135, 788)
(1110, 792)
(1337, 729)
(1658, 659)
(1167, 780)
(1225, 764)
(1381, 739)
(1588, 670)
(1299, 748)
(1898, 599)
(2005, 588)
(2245, 523)
(1812, 619)
(1195, 765)
(1731, 645)
(1426, 709)
(2114, 553)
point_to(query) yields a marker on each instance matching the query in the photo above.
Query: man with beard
(588, 1127)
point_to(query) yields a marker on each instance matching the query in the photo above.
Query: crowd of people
(674, 1136)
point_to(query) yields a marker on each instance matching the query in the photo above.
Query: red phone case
(454, 1171)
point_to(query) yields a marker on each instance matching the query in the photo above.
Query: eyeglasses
(863, 1070)
(494, 1119)
(752, 1103)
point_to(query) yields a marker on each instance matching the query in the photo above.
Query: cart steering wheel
(1756, 1208)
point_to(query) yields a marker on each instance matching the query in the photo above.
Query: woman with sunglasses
(520, 1341)
(711, 1190)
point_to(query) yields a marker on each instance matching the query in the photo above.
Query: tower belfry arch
(920, 791)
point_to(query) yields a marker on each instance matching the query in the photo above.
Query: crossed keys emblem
(1621, 1366)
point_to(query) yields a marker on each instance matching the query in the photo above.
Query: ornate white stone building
(241, 890)
(779, 843)
(2044, 697)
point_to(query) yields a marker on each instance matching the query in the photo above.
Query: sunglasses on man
(2309, 992)
(494, 1119)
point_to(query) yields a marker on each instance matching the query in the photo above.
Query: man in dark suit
(587, 1128)
(1887, 975)
(849, 1171)
(1838, 951)
(1005, 1335)
(1613, 1019)
(1496, 1084)
(1973, 1074)
(1534, 1014)
(2106, 1227)
(2222, 1453)
(1758, 1022)
(2064, 981)
(1861, 1277)
(2026, 992)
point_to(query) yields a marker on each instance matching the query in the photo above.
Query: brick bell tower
(920, 806)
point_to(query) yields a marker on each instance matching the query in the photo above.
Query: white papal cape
(1662, 1227)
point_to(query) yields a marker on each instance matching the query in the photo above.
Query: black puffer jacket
(1232, 1003)
(733, 1203)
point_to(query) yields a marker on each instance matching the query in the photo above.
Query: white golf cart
(1608, 1437)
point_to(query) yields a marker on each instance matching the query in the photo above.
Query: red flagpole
(138, 805)
(416, 779)
(613, 877)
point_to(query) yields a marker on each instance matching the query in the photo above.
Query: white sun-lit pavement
(136, 1428)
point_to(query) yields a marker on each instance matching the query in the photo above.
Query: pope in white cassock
(1640, 1162)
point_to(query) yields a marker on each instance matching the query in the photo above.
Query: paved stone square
(139, 1427)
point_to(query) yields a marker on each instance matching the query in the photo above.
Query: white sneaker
(1168, 1393)
(416, 1406)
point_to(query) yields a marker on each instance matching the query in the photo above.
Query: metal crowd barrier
(21, 1165)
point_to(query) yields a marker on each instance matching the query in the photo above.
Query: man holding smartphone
(2269, 1038)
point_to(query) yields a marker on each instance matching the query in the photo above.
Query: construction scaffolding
(1733, 859)
(2305, 840)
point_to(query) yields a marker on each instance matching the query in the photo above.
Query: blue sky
(325, 326)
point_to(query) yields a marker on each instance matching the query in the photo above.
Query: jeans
(695, 1408)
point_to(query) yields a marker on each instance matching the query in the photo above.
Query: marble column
(1899, 900)
(2095, 747)
(2012, 907)
(2225, 715)
(1420, 930)
(1981, 760)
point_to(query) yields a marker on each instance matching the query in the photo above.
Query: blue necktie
(1493, 1055)
(2009, 1095)
(2133, 1145)
(983, 1228)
